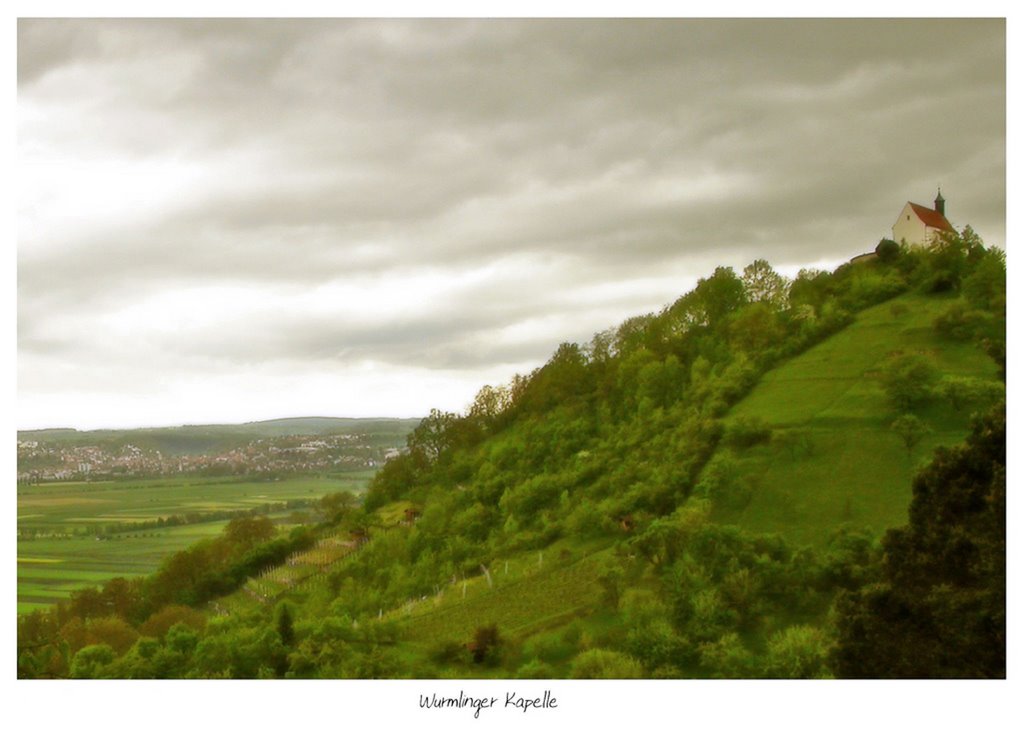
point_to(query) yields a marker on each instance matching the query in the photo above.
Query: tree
(939, 607)
(723, 483)
(764, 285)
(124, 598)
(485, 643)
(719, 295)
(113, 631)
(248, 531)
(727, 657)
(87, 603)
(181, 638)
(811, 287)
(887, 251)
(908, 380)
(284, 623)
(563, 380)
(90, 661)
(490, 402)
(392, 481)
(659, 384)
(910, 429)
(756, 327)
(432, 437)
(335, 505)
(949, 257)
(985, 288)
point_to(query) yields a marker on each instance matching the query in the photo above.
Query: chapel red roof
(931, 217)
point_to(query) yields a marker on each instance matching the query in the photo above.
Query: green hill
(683, 496)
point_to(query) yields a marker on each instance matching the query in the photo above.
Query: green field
(853, 469)
(70, 505)
(51, 567)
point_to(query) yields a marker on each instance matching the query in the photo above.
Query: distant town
(51, 461)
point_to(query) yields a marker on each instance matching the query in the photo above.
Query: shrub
(746, 431)
(656, 643)
(535, 670)
(723, 484)
(961, 392)
(796, 443)
(158, 624)
(961, 323)
(90, 661)
(587, 521)
(550, 647)
(871, 288)
(798, 652)
(887, 251)
(448, 652)
(727, 657)
(605, 664)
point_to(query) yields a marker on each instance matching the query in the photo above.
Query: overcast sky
(235, 220)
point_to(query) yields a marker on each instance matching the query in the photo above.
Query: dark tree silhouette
(940, 608)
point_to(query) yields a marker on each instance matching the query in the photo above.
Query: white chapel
(918, 225)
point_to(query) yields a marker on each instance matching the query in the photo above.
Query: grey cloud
(460, 332)
(614, 148)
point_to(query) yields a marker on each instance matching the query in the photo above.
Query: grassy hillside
(839, 462)
(849, 468)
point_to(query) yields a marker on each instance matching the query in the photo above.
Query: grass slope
(855, 470)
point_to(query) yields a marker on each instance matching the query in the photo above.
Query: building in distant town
(918, 225)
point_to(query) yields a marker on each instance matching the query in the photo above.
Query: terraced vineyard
(532, 596)
(301, 572)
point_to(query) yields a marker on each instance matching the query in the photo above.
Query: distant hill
(200, 439)
(328, 425)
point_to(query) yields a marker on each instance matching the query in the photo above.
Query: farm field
(71, 506)
(850, 468)
(51, 567)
